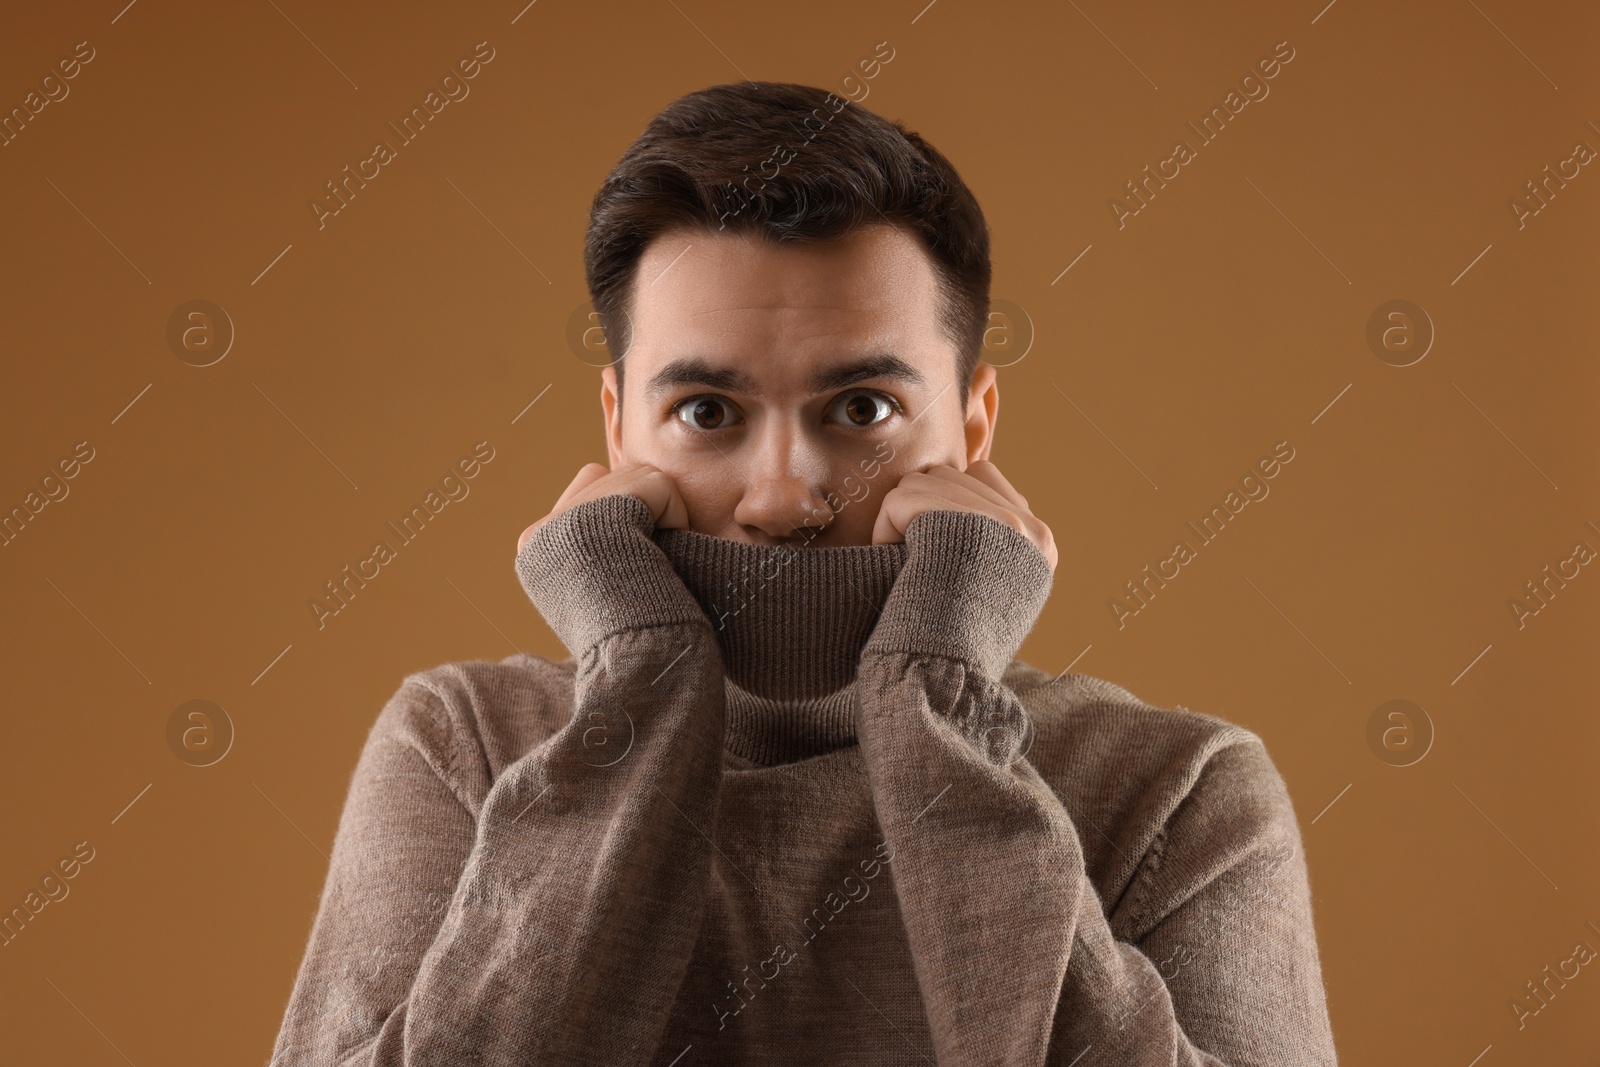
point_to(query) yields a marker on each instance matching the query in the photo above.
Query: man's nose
(785, 488)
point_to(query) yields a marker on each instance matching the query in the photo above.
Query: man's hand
(981, 488)
(647, 483)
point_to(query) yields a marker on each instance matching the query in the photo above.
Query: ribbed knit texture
(790, 624)
(802, 807)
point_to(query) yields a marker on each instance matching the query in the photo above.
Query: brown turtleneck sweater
(797, 808)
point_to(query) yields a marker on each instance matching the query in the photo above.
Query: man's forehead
(713, 307)
(721, 329)
(735, 317)
(736, 313)
(859, 271)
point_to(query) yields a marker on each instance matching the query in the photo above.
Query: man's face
(791, 387)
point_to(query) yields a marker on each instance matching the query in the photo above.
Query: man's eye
(861, 409)
(866, 408)
(704, 413)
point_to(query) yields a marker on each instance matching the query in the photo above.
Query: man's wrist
(971, 589)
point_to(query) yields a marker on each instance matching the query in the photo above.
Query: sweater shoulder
(1129, 771)
(1114, 726)
(489, 713)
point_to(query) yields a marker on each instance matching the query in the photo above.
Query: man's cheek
(709, 491)
(898, 459)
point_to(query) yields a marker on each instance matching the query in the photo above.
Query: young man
(792, 799)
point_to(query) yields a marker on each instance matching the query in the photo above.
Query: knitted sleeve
(509, 938)
(1014, 955)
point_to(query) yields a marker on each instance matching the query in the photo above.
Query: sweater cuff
(594, 571)
(971, 589)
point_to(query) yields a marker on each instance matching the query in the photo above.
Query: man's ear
(983, 409)
(611, 405)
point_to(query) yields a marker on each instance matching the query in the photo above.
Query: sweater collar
(791, 624)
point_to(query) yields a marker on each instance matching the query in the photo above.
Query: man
(792, 799)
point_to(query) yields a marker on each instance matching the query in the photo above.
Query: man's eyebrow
(882, 365)
(694, 370)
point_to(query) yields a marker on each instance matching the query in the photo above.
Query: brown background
(1225, 317)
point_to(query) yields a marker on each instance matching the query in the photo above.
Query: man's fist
(980, 488)
(647, 483)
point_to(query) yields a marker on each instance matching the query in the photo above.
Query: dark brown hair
(706, 162)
